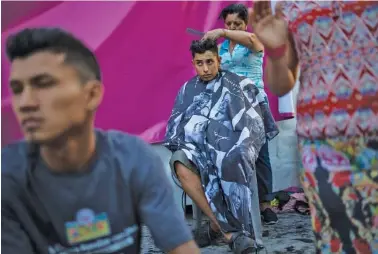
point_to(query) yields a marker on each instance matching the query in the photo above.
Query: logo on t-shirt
(88, 226)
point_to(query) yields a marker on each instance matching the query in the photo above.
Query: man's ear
(94, 92)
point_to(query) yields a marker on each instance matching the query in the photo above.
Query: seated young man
(215, 132)
(70, 188)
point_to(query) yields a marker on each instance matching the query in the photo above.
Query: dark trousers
(264, 175)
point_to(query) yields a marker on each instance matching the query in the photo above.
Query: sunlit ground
(292, 234)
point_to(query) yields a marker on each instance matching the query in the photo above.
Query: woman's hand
(214, 34)
(271, 30)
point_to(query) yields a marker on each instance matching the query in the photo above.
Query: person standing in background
(242, 54)
(335, 44)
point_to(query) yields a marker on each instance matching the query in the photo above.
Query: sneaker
(206, 236)
(269, 217)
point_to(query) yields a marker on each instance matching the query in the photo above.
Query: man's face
(206, 65)
(48, 97)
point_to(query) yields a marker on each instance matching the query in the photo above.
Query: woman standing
(242, 53)
(335, 44)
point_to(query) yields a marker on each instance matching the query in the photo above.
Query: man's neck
(73, 154)
(209, 81)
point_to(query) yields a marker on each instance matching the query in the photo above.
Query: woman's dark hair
(239, 9)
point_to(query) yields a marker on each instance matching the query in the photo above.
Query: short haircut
(239, 9)
(201, 46)
(32, 40)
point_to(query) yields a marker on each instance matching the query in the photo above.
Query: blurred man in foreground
(70, 188)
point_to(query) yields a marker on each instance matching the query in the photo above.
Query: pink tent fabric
(142, 48)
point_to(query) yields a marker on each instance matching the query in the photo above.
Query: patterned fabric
(341, 183)
(243, 62)
(219, 126)
(337, 46)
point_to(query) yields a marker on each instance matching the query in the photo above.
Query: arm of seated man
(157, 206)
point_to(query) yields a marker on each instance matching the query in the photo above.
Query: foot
(242, 244)
(269, 217)
(206, 236)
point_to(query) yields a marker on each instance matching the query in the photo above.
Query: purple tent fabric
(21, 11)
(143, 50)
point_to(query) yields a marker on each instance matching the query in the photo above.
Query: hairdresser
(242, 53)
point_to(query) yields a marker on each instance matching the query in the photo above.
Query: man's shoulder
(134, 156)
(192, 81)
(14, 158)
(123, 145)
(188, 85)
(123, 140)
(13, 168)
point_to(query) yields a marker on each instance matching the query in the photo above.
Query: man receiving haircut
(215, 132)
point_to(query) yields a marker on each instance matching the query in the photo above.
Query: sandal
(206, 236)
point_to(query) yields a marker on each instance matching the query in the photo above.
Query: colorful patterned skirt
(340, 179)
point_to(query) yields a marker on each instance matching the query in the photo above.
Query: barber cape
(221, 126)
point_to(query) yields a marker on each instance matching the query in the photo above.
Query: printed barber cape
(221, 126)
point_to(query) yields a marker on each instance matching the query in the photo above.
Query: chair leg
(255, 212)
(197, 216)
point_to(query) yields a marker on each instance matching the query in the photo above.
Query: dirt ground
(292, 234)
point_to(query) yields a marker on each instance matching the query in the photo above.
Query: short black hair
(239, 9)
(32, 40)
(201, 46)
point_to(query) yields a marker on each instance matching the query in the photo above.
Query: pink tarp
(142, 48)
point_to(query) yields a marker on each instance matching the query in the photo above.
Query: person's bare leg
(191, 183)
